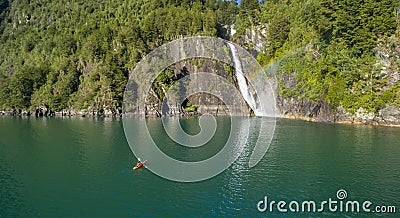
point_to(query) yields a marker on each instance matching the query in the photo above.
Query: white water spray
(241, 79)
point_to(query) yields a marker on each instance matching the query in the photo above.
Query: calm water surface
(82, 167)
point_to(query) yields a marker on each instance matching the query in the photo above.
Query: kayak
(140, 165)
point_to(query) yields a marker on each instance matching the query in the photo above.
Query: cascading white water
(241, 79)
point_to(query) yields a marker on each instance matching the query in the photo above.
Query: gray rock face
(254, 40)
(388, 54)
(323, 112)
(390, 114)
(306, 109)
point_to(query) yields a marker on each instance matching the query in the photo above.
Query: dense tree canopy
(78, 54)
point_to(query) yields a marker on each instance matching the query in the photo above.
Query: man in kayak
(139, 164)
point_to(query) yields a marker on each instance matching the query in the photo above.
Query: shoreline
(354, 121)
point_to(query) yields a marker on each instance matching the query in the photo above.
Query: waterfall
(241, 79)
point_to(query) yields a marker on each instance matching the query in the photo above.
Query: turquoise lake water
(83, 168)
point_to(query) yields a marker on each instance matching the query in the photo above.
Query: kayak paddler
(139, 164)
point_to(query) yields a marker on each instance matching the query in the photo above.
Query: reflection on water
(82, 167)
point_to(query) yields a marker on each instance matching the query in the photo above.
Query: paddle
(142, 164)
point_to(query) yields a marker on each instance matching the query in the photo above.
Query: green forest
(78, 54)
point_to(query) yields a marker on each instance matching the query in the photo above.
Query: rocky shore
(40, 112)
(322, 112)
(289, 108)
